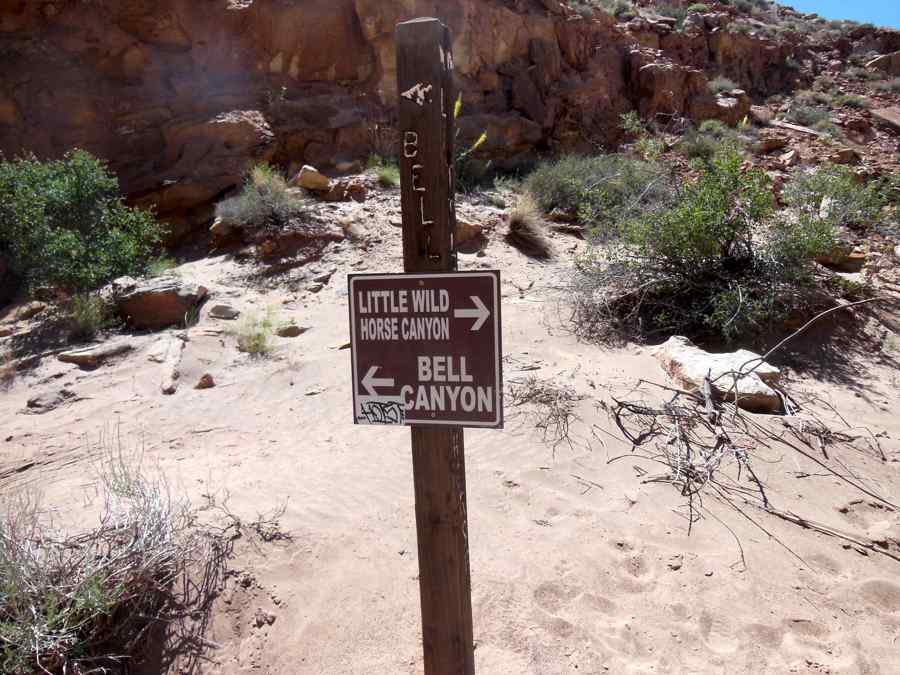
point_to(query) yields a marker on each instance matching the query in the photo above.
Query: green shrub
(698, 7)
(632, 124)
(850, 101)
(599, 191)
(743, 6)
(264, 201)
(719, 84)
(860, 73)
(161, 265)
(62, 223)
(387, 171)
(651, 149)
(697, 145)
(847, 202)
(87, 312)
(674, 11)
(808, 115)
(809, 97)
(713, 264)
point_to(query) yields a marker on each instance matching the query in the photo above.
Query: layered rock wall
(181, 96)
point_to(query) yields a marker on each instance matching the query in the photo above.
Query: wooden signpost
(425, 80)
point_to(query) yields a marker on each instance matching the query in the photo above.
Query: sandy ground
(577, 565)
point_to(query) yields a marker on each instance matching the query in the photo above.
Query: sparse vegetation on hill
(599, 191)
(62, 223)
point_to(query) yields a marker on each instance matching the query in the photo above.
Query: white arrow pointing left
(480, 313)
(369, 382)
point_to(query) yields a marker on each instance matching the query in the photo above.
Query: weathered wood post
(425, 79)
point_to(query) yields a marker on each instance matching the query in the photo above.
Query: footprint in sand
(884, 594)
(717, 633)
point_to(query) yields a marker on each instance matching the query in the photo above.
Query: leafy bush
(850, 101)
(698, 7)
(599, 191)
(713, 264)
(87, 312)
(264, 201)
(698, 145)
(719, 84)
(62, 223)
(387, 171)
(632, 124)
(809, 97)
(832, 196)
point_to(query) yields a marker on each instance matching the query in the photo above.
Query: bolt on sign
(426, 349)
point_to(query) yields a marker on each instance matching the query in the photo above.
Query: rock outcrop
(181, 97)
(156, 303)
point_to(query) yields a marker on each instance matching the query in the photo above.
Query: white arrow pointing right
(480, 313)
(369, 382)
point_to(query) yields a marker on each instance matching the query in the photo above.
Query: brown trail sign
(426, 345)
(426, 349)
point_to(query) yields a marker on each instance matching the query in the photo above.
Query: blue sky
(879, 12)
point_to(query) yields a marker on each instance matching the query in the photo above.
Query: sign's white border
(494, 275)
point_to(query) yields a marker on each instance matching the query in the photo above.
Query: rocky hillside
(181, 97)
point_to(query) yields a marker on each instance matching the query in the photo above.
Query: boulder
(844, 156)
(308, 177)
(291, 330)
(93, 356)
(769, 142)
(345, 190)
(29, 310)
(224, 312)
(156, 303)
(890, 117)
(887, 63)
(790, 158)
(688, 366)
(761, 114)
(470, 237)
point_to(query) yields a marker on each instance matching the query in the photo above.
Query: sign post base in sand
(426, 97)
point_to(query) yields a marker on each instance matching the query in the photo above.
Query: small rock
(309, 178)
(675, 562)
(291, 331)
(347, 189)
(315, 288)
(91, 357)
(205, 382)
(396, 223)
(769, 143)
(469, 237)
(790, 158)
(171, 362)
(44, 403)
(224, 312)
(708, 574)
(222, 228)
(326, 277)
(761, 114)
(263, 618)
(688, 366)
(844, 156)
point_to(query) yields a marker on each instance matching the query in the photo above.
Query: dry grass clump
(255, 333)
(7, 370)
(550, 405)
(526, 230)
(95, 600)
